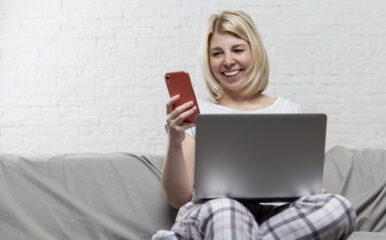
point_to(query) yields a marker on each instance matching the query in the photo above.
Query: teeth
(229, 74)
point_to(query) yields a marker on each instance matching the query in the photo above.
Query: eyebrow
(239, 45)
(234, 46)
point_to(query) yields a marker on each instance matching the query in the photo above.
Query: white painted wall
(86, 75)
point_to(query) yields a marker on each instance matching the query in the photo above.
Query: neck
(238, 98)
(255, 102)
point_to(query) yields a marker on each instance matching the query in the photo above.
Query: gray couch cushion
(360, 176)
(368, 236)
(82, 196)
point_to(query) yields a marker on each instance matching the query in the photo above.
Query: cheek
(248, 60)
(214, 66)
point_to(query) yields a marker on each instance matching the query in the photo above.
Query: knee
(334, 207)
(224, 204)
(343, 215)
(227, 217)
(339, 202)
(226, 210)
(226, 207)
(334, 204)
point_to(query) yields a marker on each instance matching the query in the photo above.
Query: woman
(235, 68)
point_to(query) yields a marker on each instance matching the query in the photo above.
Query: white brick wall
(86, 75)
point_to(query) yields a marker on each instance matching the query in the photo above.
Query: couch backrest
(83, 196)
(119, 195)
(360, 176)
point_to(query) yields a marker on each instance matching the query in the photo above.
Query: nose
(229, 60)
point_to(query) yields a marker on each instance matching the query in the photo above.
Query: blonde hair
(241, 25)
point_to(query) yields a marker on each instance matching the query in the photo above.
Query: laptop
(259, 157)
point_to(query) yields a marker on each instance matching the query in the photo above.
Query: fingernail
(190, 103)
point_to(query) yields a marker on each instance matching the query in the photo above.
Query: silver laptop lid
(268, 157)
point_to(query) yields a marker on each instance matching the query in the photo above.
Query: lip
(239, 71)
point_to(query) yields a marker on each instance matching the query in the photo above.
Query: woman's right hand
(175, 127)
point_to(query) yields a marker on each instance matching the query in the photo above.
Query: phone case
(179, 83)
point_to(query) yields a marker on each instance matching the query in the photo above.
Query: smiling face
(230, 59)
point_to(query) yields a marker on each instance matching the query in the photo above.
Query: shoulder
(287, 106)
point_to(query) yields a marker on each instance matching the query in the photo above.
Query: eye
(216, 54)
(238, 50)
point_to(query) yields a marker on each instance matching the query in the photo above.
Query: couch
(119, 195)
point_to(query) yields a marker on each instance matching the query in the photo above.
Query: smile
(233, 73)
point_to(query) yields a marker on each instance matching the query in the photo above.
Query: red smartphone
(178, 83)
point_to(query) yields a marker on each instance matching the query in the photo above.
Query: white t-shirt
(280, 105)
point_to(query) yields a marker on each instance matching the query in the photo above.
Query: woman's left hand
(324, 191)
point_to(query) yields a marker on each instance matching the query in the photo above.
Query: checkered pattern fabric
(323, 216)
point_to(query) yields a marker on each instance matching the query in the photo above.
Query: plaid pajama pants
(322, 216)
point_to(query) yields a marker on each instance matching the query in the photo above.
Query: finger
(178, 125)
(180, 118)
(178, 122)
(170, 103)
(187, 126)
(179, 110)
(324, 191)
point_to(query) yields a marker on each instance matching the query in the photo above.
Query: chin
(235, 85)
(233, 88)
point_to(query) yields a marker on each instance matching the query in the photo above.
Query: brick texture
(86, 75)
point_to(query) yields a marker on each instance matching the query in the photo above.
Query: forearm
(175, 177)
